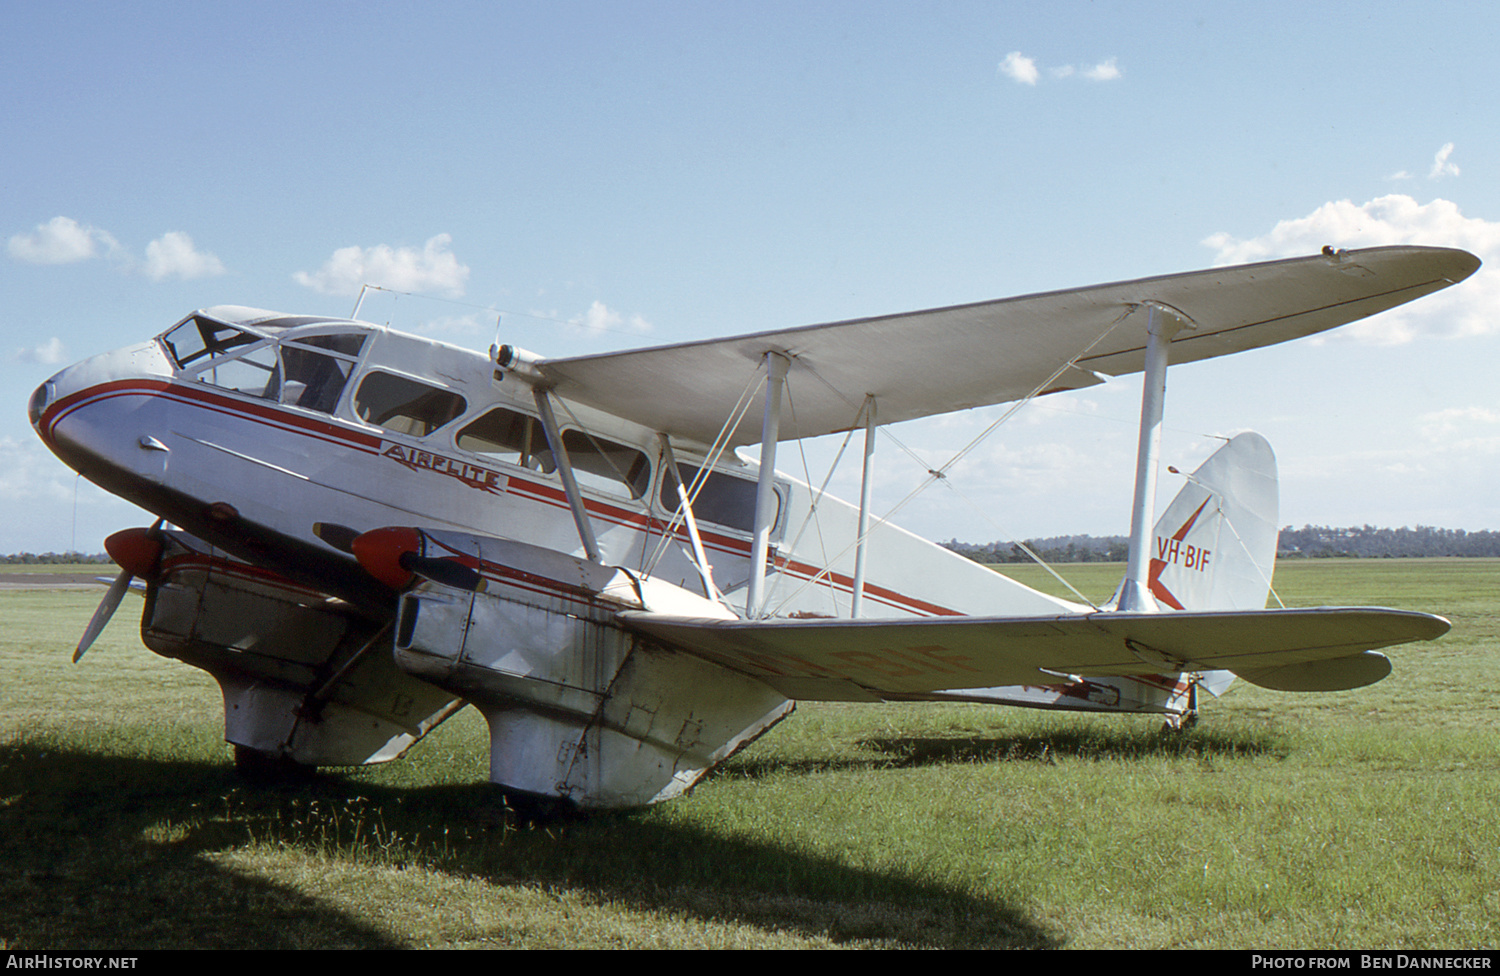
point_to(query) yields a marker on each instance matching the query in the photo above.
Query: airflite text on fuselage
(363, 530)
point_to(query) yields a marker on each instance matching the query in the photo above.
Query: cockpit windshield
(199, 337)
(281, 359)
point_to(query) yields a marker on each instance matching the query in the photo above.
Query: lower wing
(1320, 649)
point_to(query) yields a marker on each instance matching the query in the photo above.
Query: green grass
(1360, 819)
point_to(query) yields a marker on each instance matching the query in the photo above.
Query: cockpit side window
(253, 371)
(341, 343)
(315, 379)
(309, 371)
(406, 406)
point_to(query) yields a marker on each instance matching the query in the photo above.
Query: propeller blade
(107, 607)
(138, 552)
(449, 572)
(341, 537)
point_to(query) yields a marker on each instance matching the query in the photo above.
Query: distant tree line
(1056, 549)
(47, 558)
(1369, 542)
(1308, 542)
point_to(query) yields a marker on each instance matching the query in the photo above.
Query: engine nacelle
(304, 677)
(579, 708)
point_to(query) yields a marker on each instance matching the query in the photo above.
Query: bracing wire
(715, 451)
(941, 473)
(1219, 508)
(812, 512)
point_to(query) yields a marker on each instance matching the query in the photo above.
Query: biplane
(362, 531)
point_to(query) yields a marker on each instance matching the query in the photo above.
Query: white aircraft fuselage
(250, 463)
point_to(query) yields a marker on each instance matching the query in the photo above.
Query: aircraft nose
(78, 412)
(59, 386)
(143, 361)
(40, 398)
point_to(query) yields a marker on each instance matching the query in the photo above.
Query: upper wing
(861, 659)
(923, 363)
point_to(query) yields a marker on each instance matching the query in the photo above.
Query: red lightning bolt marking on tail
(1153, 576)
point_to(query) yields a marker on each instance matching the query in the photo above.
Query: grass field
(1361, 819)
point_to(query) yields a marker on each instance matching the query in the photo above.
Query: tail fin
(1215, 545)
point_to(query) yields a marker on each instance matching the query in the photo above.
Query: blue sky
(604, 175)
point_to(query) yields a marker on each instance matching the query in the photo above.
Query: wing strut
(565, 469)
(765, 488)
(685, 507)
(1162, 323)
(864, 509)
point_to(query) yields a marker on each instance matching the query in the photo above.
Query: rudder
(1214, 548)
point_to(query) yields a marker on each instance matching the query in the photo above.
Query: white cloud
(61, 240)
(1018, 67)
(173, 256)
(1440, 165)
(62, 510)
(1466, 309)
(602, 318)
(434, 268)
(28, 473)
(49, 353)
(1024, 70)
(1440, 168)
(1106, 70)
(1460, 427)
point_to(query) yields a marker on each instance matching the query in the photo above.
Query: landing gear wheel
(1180, 723)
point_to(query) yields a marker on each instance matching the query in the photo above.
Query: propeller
(138, 552)
(394, 555)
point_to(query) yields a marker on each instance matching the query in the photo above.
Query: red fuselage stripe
(206, 398)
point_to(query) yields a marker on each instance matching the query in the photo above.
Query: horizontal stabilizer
(860, 659)
(1339, 674)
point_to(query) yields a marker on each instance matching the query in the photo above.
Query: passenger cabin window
(509, 436)
(722, 499)
(307, 371)
(520, 439)
(605, 465)
(404, 405)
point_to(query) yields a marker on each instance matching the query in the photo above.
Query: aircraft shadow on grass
(1086, 744)
(909, 751)
(100, 850)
